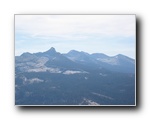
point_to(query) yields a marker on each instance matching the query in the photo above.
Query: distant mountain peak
(26, 54)
(73, 51)
(122, 56)
(51, 50)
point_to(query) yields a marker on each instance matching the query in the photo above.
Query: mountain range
(74, 78)
(74, 60)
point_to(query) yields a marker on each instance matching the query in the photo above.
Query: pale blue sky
(108, 34)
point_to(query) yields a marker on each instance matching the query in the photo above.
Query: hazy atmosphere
(60, 73)
(109, 34)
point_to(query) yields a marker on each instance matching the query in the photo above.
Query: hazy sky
(109, 34)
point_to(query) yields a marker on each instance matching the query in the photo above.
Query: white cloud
(68, 26)
(89, 33)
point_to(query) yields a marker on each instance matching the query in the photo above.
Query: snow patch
(44, 69)
(89, 102)
(103, 96)
(30, 81)
(69, 72)
(41, 61)
(35, 80)
(102, 74)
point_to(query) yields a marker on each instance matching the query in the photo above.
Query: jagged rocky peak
(52, 50)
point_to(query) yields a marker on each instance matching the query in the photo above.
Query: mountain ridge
(75, 78)
(80, 59)
(52, 49)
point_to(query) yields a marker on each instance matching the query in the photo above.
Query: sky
(108, 34)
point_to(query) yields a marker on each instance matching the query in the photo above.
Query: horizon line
(74, 50)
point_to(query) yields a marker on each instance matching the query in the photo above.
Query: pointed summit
(51, 50)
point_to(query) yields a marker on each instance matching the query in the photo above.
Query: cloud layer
(74, 29)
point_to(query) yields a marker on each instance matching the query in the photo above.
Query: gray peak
(73, 51)
(52, 49)
(26, 54)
